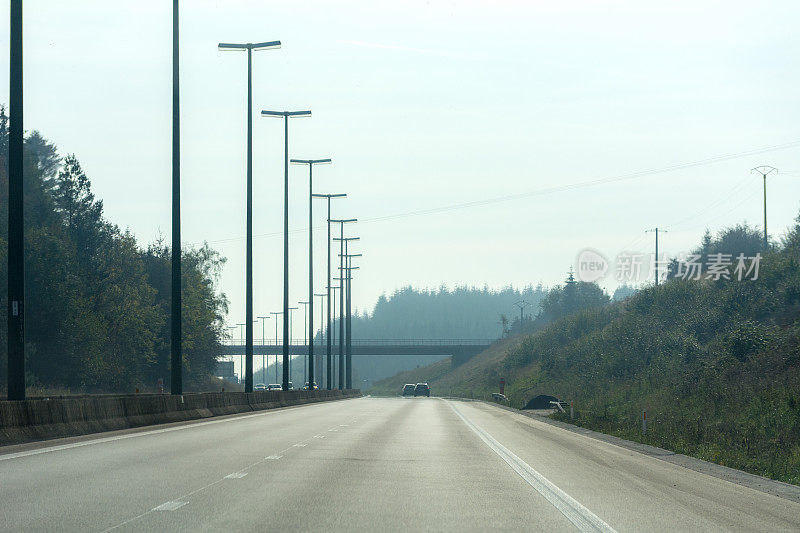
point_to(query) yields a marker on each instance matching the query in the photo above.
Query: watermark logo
(635, 267)
(591, 265)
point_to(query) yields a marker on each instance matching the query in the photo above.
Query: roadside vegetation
(97, 304)
(715, 363)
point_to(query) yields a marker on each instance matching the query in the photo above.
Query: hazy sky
(424, 105)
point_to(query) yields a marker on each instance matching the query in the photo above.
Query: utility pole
(16, 227)
(655, 263)
(522, 304)
(764, 170)
(328, 286)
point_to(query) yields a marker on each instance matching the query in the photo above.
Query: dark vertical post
(328, 327)
(176, 379)
(16, 235)
(286, 318)
(248, 350)
(349, 347)
(276, 345)
(766, 242)
(333, 331)
(341, 309)
(656, 263)
(310, 281)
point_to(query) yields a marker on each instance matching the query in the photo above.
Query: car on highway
(260, 386)
(274, 386)
(408, 389)
(312, 387)
(422, 389)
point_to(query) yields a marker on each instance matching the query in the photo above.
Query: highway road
(415, 464)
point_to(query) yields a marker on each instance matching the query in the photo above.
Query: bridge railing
(371, 342)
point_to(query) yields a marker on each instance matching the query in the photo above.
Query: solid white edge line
(580, 516)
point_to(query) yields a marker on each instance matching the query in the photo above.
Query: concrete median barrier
(49, 418)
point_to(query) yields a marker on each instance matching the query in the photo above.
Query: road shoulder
(762, 484)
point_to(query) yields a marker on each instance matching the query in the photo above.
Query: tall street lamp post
(328, 285)
(345, 346)
(349, 323)
(16, 221)
(263, 348)
(332, 329)
(310, 163)
(285, 115)
(290, 309)
(241, 340)
(321, 333)
(249, 47)
(176, 363)
(305, 332)
(342, 242)
(276, 313)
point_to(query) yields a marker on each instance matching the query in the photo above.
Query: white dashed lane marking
(169, 506)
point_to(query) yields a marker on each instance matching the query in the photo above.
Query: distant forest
(97, 304)
(458, 313)
(476, 313)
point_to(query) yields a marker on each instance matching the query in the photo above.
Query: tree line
(97, 303)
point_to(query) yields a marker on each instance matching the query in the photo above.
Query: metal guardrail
(373, 342)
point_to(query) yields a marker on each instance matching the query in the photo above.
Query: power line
(543, 191)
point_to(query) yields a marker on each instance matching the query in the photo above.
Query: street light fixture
(176, 347)
(328, 285)
(310, 163)
(318, 360)
(241, 339)
(349, 334)
(276, 313)
(289, 364)
(16, 209)
(348, 277)
(263, 348)
(342, 242)
(332, 330)
(285, 115)
(305, 325)
(249, 47)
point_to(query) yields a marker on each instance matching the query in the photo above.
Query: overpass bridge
(460, 349)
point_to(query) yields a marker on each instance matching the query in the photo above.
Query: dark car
(422, 389)
(408, 389)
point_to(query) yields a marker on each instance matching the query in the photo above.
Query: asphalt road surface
(415, 464)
